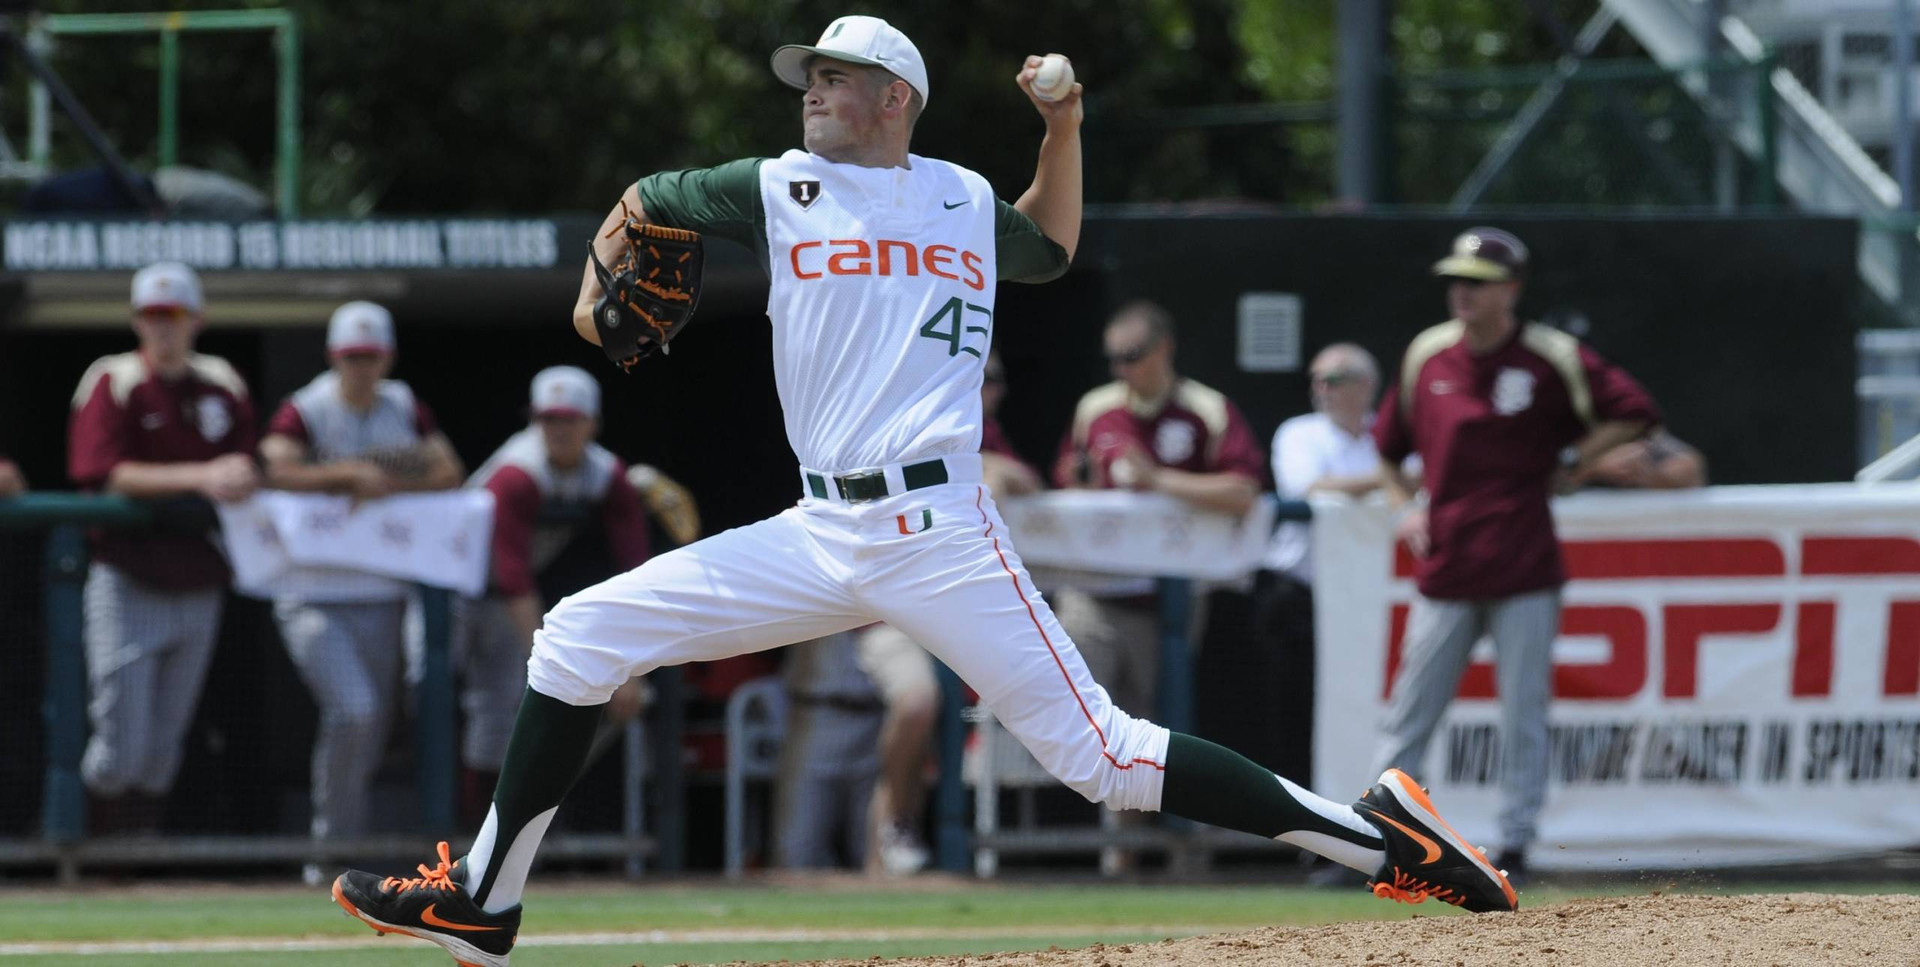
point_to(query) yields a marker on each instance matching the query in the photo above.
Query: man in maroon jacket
(1151, 430)
(1502, 413)
(163, 421)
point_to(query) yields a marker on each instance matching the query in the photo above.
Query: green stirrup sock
(1215, 785)
(547, 752)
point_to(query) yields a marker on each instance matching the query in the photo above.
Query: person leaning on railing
(161, 422)
(351, 431)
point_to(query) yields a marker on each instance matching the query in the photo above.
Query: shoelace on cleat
(1412, 889)
(438, 878)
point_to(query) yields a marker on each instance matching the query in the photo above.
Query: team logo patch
(911, 524)
(1174, 441)
(214, 420)
(1512, 391)
(803, 193)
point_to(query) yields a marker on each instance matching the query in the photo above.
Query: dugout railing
(978, 847)
(58, 837)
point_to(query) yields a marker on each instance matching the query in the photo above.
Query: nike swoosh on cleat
(1432, 848)
(951, 205)
(427, 916)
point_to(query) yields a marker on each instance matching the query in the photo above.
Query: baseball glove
(650, 293)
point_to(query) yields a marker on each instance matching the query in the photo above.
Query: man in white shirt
(1326, 451)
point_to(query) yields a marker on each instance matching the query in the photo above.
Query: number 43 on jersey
(949, 325)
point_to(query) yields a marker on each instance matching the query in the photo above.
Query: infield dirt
(1788, 930)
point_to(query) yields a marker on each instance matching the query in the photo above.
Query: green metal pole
(437, 748)
(1767, 122)
(169, 97)
(287, 195)
(63, 803)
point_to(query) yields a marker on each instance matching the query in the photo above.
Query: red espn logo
(1684, 625)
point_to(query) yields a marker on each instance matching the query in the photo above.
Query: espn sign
(1737, 678)
(1682, 629)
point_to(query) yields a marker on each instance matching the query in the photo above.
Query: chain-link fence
(1588, 134)
(240, 795)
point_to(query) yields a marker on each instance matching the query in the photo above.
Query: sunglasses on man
(1127, 357)
(1338, 377)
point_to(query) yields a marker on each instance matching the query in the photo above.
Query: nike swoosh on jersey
(427, 916)
(951, 205)
(1432, 848)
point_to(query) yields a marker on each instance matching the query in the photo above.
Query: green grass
(970, 913)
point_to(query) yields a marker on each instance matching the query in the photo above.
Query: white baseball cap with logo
(166, 285)
(360, 327)
(856, 40)
(565, 391)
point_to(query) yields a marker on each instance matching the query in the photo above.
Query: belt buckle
(849, 483)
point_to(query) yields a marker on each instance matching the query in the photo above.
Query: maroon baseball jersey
(1195, 429)
(1490, 429)
(124, 412)
(523, 481)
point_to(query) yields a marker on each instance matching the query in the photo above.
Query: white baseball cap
(169, 285)
(566, 390)
(359, 327)
(856, 40)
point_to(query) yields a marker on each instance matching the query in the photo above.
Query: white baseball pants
(935, 563)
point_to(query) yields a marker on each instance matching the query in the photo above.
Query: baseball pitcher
(883, 266)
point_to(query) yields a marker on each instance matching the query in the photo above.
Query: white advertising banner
(1121, 532)
(440, 539)
(1737, 678)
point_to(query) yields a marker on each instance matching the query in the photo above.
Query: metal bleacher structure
(1821, 140)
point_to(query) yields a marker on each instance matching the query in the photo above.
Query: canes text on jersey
(855, 256)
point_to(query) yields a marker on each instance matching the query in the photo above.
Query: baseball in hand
(1053, 79)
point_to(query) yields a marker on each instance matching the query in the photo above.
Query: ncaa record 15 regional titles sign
(1736, 680)
(321, 245)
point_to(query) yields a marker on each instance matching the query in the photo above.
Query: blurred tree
(510, 106)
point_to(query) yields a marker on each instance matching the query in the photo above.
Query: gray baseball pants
(147, 655)
(492, 663)
(351, 656)
(1440, 638)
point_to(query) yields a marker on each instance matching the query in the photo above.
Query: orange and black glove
(650, 293)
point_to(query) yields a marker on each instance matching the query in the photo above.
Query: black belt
(858, 488)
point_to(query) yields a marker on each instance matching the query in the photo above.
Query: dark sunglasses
(1127, 357)
(1336, 378)
(1463, 280)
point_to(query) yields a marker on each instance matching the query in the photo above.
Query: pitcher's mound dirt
(1790, 930)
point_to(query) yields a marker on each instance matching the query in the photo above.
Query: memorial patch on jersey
(804, 193)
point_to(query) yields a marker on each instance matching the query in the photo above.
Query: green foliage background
(509, 106)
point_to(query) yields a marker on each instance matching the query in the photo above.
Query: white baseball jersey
(882, 293)
(871, 374)
(318, 417)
